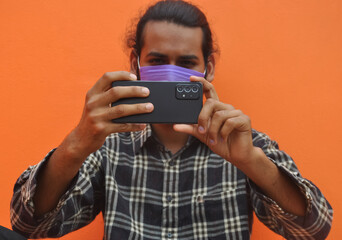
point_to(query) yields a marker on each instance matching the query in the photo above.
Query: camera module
(194, 89)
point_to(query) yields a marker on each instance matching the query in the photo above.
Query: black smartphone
(174, 102)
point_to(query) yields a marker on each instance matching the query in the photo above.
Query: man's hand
(89, 135)
(228, 133)
(96, 122)
(224, 129)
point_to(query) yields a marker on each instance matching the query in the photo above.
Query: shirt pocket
(222, 211)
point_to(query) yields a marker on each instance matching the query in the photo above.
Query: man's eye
(187, 64)
(156, 61)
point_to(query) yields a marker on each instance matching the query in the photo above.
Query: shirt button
(169, 198)
(169, 235)
(200, 199)
(172, 163)
(161, 149)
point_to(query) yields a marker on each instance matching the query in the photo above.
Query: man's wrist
(256, 156)
(72, 148)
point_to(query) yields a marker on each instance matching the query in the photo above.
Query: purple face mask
(169, 73)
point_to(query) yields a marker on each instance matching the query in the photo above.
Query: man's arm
(228, 133)
(39, 190)
(316, 222)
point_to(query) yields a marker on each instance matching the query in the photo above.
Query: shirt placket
(170, 196)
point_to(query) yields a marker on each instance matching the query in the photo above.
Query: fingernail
(149, 106)
(133, 76)
(145, 90)
(211, 141)
(201, 129)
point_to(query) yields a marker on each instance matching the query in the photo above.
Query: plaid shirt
(145, 192)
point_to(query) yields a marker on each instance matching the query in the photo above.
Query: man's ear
(210, 68)
(133, 58)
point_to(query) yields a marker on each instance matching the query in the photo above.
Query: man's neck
(171, 139)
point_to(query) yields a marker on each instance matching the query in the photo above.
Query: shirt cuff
(304, 186)
(28, 180)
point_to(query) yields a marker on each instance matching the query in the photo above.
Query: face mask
(169, 73)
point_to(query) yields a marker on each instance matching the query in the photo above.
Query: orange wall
(281, 63)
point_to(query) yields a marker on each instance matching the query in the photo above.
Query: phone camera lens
(195, 89)
(187, 89)
(180, 89)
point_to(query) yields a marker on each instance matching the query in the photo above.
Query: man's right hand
(96, 122)
(89, 135)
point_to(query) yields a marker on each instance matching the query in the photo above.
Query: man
(164, 181)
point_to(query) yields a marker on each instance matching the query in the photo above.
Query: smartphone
(174, 102)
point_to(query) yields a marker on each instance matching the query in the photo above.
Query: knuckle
(123, 127)
(239, 112)
(119, 110)
(212, 131)
(121, 73)
(99, 128)
(210, 86)
(210, 101)
(248, 119)
(91, 103)
(201, 119)
(106, 75)
(88, 106)
(88, 95)
(92, 118)
(229, 121)
(230, 107)
(113, 91)
(218, 114)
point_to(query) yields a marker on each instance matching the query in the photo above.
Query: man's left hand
(226, 130)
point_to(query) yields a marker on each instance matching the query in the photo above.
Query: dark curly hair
(173, 11)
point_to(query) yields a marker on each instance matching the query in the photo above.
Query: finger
(192, 130)
(105, 82)
(208, 88)
(123, 110)
(217, 121)
(209, 108)
(240, 123)
(188, 129)
(116, 93)
(125, 127)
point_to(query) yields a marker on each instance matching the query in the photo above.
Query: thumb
(187, 128)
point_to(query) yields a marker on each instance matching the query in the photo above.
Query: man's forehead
(162, 37)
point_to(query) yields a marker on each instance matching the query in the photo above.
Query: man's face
(169, 43)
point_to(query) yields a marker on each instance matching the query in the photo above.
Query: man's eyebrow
(160, 55)
(188, 57)
(156, 54)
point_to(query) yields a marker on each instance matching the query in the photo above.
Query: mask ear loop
(138, 66)
(205, 70)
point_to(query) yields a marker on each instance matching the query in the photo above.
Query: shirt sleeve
(317, 221)
(76, 208)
